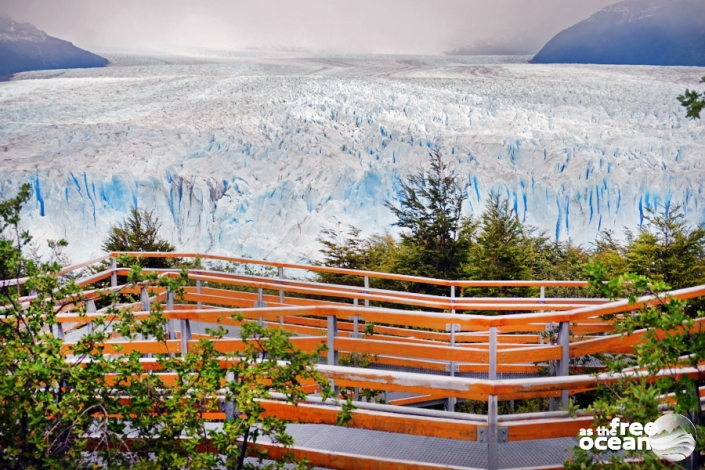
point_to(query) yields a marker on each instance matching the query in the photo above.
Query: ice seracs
(255, 156)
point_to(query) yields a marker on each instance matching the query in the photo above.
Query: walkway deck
(439, 349)
(442, 452)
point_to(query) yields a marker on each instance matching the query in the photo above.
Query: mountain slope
(634, 32)
(23, 47)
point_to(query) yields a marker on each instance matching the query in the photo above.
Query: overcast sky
(359, 26)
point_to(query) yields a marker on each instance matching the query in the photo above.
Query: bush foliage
(65, 404)
(663, 253)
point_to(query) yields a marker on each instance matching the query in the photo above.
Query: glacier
(254, 154)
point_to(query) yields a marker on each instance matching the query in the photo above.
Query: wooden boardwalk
(439, 352)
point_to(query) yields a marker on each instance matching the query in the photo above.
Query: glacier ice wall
(254, 156)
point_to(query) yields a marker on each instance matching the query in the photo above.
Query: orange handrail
(357, 272)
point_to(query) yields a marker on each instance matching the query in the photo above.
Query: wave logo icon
(675, 439)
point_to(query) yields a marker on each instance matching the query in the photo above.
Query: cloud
(360, 26)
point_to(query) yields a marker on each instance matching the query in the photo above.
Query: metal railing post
(260, 304)
(281, 279)
(332, 353)
(90, 308)
(356, 327)
(356, 334)
(146, 307)
(492, 370)
(332, 333)
(185, 327)
(564, 363)
(453, 328)
(492, 433)
(113, 274)
(695, 461)
(170, 329)
(281, 292)
(542, 295)
(228, 406)
(367, 286)
(60, 331)
(198, 291)
(144, 298)
(492, 411)
(452, 298)
(552, 369)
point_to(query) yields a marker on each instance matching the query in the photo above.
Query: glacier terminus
(255, 153)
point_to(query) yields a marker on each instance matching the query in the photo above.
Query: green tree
(560, 261)
(671, 340)
(437, 238)
(610, 253)
(58, 412)
(693, 102)
(12, 240)
(139, 232)
(345, 250)
(350, 250)
(666, 249)
(503, 249)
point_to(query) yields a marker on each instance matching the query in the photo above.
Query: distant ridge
(509, 47)
(23, 47)
(634, 32)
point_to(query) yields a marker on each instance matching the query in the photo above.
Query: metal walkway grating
(457, 453)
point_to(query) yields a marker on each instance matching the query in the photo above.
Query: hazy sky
(365, 26)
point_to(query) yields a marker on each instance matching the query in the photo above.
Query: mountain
(23, 47)
(513, 46)
(634, 32)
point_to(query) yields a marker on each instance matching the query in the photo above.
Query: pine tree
(666, 249)
(610, 253)
(139, 232)
(559, 260)
(693, 102)
(502, 250)
(437, 238)
(350, 250)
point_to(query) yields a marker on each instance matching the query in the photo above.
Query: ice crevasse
(256, 159)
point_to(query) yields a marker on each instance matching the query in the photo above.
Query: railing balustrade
(438, 349)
